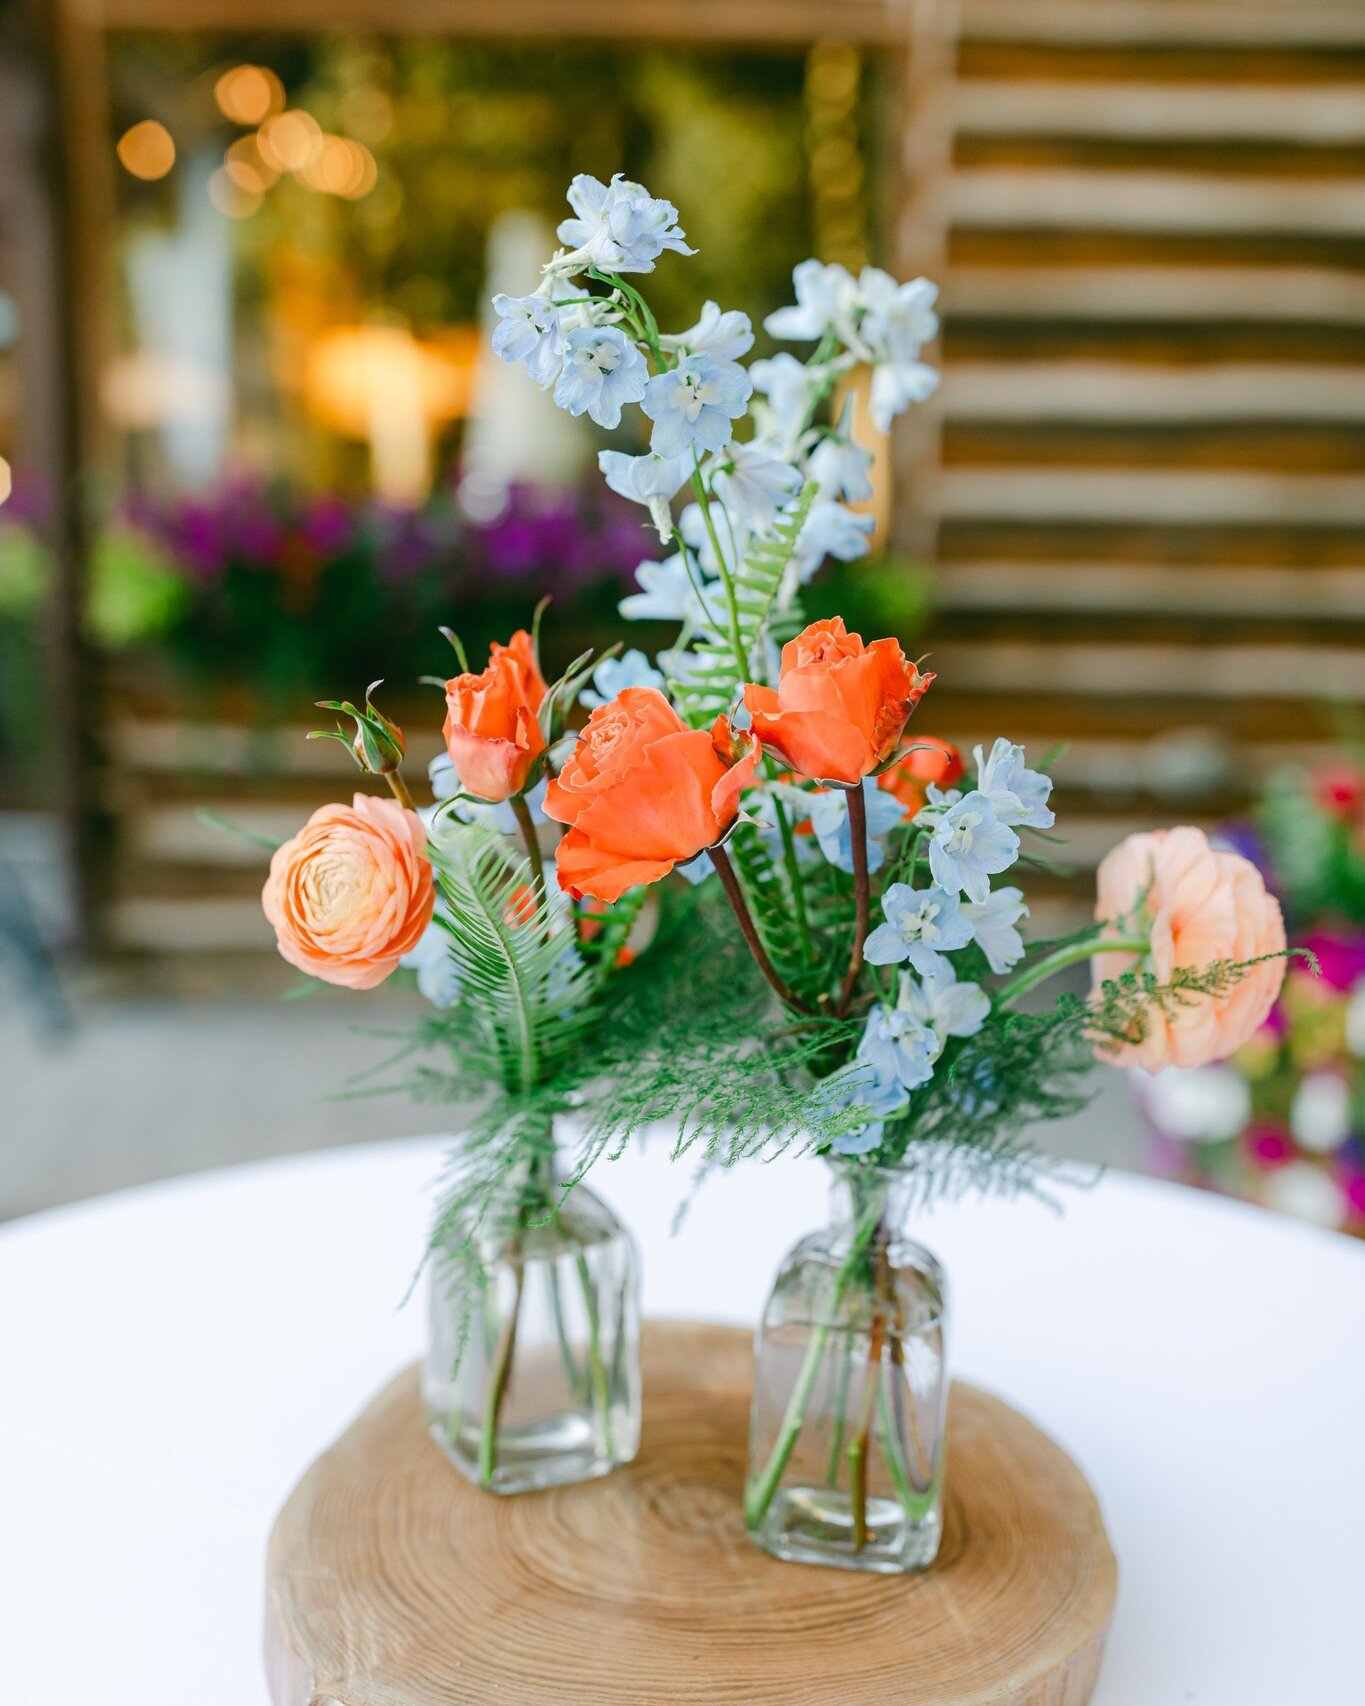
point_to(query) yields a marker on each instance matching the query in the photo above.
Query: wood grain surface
(391, 1582)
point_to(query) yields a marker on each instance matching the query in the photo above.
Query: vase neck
(866, 1201)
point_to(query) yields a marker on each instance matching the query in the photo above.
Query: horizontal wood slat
(1159, 294)
(1172, 497)
(1175, 589)
(1178, 22)
(1153, 202)
(1118, 391)
(1315, 113)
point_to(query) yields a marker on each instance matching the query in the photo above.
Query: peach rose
(641, 793)
(352, 892)
(491, 729)
(840, 706)
(1197, 906)
(928, 760)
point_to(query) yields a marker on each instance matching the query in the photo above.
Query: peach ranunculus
(1196, 905)
(352, 892)
(839, 707)
(492, 731)
(642, 792)
(928, 760)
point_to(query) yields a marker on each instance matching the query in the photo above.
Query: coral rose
(1196, 905)
(928, 760)
(492, 732)
(641, 793)
(352, 892)
(840, 706)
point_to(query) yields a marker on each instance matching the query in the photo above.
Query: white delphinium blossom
(904, 1042)
(830, 824)
(857, 1086)
(968, 845)
(754, 484)
(733, 539)
(994, 923)
(619, 227)
(667, 594)
(725, 336)
(790, 387)
(830, 530)
(1018, 794)
(602, 371)
(650, 480)
(840, 467)
(895, 386)
(529, 333)
(614, 675)
(695, 405)
(826, 300)
(897, 321)
(921, 926)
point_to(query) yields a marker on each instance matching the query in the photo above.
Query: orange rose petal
(588, 870)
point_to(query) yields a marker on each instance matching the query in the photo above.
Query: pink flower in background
(1196, 905)
(1268, 1146)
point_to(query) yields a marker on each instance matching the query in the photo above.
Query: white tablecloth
(172, 1358)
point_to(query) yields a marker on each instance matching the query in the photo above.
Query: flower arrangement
(841, 969)
(1282, 1120)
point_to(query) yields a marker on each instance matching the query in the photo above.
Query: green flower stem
(703, 498)
(1070, 955)
(857, 826)
(571, 1371)
(600, 1389)
(400, 791)
(526, 824)
(798, 890)
(502, 1371)
(915, 1501)
(858, 1445)
(836, 1444)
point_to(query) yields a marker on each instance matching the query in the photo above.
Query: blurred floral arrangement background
(1283, 1121)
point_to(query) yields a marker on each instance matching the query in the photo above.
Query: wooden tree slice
(391, 1582)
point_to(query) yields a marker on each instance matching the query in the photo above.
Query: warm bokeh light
(236, 200)
(341, 167)
(381, 384)
(247, 168)
(6, 480)
(291, 141)
(248, 94)
(147, 150)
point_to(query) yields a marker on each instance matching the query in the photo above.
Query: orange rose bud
(840, 707)
(642, 792)
(929, 760)
(491, 730)
(352, 892)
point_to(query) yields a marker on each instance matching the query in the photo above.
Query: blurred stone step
(1131, 392)
(1176, 590)
(1169, 497)
(1001, 199)
(1316, 113)
(1159, 294)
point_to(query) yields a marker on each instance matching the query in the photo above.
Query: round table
(172, 1358)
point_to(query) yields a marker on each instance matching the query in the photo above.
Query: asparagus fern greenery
(842, 969)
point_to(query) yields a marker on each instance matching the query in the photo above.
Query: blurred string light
(833, 84)
(147, 150)
(249, 94)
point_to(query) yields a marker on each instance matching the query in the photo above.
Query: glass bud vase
(850, 1390)
(532, 1376)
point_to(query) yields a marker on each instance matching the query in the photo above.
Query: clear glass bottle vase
(850, 1390)
(532, 1374)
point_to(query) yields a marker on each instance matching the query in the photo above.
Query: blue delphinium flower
(619, 227)
(723, 336)
(857, 1086)
(694, 406)
(921, 926)
(602, 370)
(897, 321)
(949, 1008)
(841, 468)
(650, 480)
(529, 332)
(1018, 794)
(433, 959)
(612, 675)
(994, 924)
(968, 845)
(789, 386)
(899, 1046)
(829, 821)
(667, 595)
(831, 530)
(754, 484)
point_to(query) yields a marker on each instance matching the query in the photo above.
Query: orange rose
(1199, 906)
(491, 729)
(352, 892)
(641, 793)
(840, 706)
(929, 760)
